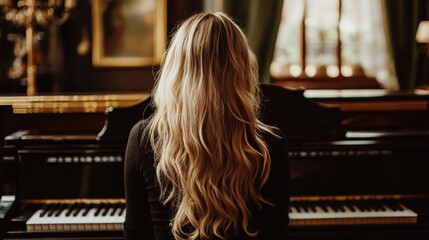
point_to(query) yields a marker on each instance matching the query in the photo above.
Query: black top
(148, 219)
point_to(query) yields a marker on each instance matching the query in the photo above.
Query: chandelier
(31, 13)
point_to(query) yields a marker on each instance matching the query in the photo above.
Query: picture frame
(128, 33)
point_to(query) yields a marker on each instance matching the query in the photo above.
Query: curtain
(402, 19)
(260, 20)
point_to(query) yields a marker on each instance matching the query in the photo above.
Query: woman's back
(210, 158)
(148, 218)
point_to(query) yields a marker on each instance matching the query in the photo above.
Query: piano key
(334, 206)
(70, 209)
(394, 206)
(45, 209)
(81, 220)
(401, 207)
(90, 220)
(121, 210)
(52, 210)
(60, 219)
(105, 220)
(355, 212)
(77, 210)
(99, 207)
(324, 207)
(341, 207)
(115, 209)
(78, 217)
(352, 207)
(86, 209)
(32, 223)
(105, 209)
(60, 209)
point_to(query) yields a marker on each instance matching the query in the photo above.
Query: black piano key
(116, 208)
(52, 210)
(99, 208)
(60, 209)
(341, 207)
(86, 209)
(376, 206)
(392, 205)
(112, 210)
(359, 206)
(366, 206)
(373, 206)
(350, 206)
(105, 210)
(304, 207)
(324, 207)
(122, 209)
(45, 209)
(396, 204)
(334, 206)
(312, 207)
(77, 210)
(70, 209)
(308, 207)
(398, 207)
(298, 208)
(383, 207)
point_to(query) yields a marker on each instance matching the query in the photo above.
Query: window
(332, 44)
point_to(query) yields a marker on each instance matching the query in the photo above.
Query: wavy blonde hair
(211, 160)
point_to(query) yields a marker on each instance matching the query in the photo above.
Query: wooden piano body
(354, 183)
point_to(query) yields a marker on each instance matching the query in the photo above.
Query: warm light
(347, 71)
(311, 70)
(422, 35)
(277, 69)
(332, 71)
(295, 70)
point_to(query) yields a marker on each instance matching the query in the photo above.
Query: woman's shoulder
(138, 133)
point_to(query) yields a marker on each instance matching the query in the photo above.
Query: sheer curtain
(362, 24)
(364, 47)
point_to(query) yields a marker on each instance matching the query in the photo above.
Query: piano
(369, 184)
(344, 184)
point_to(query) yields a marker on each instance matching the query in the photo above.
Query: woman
(203, 166)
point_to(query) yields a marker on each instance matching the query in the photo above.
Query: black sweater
(148, 219)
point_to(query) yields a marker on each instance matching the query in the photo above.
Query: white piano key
(33, 221)
(90, 222)
(86, 221)
(60, 220)
(322, 217)
(74, 220)
(118, 219)
(95, 223)
(89, 219)
(80, 220)
(102, 221)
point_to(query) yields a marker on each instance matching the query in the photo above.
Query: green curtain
(260, 20)
(402, 19)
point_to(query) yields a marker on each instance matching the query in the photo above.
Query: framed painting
(128, 33)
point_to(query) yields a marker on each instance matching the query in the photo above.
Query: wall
(70, 72)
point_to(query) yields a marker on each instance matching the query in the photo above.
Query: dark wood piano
(347, 180)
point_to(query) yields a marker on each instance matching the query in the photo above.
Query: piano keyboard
(99, 216)
(78, 217)
(350, 212)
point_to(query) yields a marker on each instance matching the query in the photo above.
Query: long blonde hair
(211, 160)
